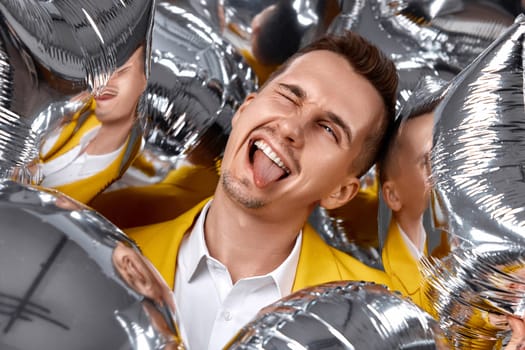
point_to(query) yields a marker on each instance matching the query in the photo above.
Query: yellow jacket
(318, 262)
(402, 268)
(86, 189)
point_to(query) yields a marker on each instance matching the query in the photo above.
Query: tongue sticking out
(264, 170)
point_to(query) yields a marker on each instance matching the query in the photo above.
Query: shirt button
(227, 315)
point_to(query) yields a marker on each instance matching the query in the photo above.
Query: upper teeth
(266, 149)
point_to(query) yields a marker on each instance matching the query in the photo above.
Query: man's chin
(235, 191)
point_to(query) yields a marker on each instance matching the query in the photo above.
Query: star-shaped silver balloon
(479, 193)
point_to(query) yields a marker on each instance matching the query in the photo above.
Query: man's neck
(247, 243)
(109, 138)
(412, 228)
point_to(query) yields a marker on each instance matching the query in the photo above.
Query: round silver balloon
(477, 170)
(425, 37)
(341, 315)
(69, 279)
(50, 51)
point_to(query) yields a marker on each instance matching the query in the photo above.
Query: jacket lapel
(160, 243)
(316, 262)
(401, 265)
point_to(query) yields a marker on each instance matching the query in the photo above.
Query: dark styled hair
(279, 35)
(372, 64)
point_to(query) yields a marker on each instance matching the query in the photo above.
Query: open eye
(329, 130)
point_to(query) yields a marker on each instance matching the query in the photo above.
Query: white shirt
(417, 252)
(75, 164)
(210, 309)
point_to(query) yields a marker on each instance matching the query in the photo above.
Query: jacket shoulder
(353, 269)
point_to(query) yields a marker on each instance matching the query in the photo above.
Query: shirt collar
(197, 250)
(283, 276)
(417, 252)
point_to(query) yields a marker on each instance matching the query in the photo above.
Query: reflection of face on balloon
(117, 101)
(57, 272)
(140, 275)
(81, 52)
(98, 141)
(406, 186)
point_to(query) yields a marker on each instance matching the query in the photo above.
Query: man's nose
(292, 129)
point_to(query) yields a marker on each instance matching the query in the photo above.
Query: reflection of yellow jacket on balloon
(318, 262)
(402, 267)
(262, 71)
(87, 188)
(181, 190)
(359, 216)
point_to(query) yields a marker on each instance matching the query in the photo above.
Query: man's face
(412, 178)
(119, 99)
(293, 143)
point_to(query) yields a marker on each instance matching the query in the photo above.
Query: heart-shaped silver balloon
(71, 279)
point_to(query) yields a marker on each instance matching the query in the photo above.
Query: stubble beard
(234, 189)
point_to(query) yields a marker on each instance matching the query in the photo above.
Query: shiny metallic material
(273, 30)
(473, 289)
(425, 36)
(332, 229)
(186, 112)
(198, 80)
(341, 315)
(69, 279)
(51, 51)
(478, 197)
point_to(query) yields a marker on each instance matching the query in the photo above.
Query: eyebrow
(294, 89)
(334, 118)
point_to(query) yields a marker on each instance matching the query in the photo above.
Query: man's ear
(342, 194)
(391, 196)
(246, 102)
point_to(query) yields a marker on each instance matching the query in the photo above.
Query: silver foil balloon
(192, 40)
(477, 170)
(50, 51)
(198, 80)
(336, 229)
(70, 279)
(425, 37)
(341, 315)
(186, 112)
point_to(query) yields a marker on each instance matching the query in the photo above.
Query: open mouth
(268, 167)
(106, 94)
(104, 97)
